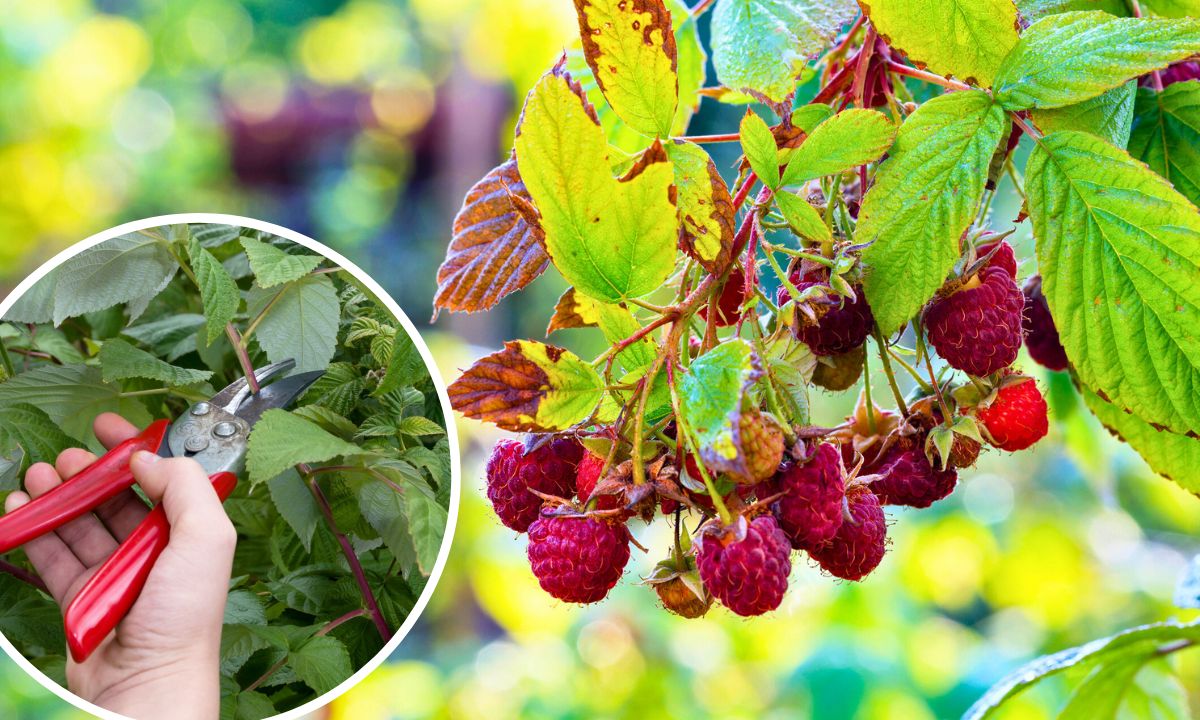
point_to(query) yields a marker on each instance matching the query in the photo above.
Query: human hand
(163, 659)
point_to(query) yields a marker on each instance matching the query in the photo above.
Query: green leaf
(964, 38)
(844, 141)
(301, 322)
(218, 292)
(1176, 457)
(1071, 57)
(630, 47)
(243, 607)
(611, 238)
(1166, 135)
(1130, 643)
(212, 235)
(925, 195)
(1156, 693)
(36, 305)
(71, 396)
(758, 145)
(706, 215)
(121, 270)
(528, 386)
(252, 705)
(761, 46)
(385, 510)
(295, 504)
(322, 663)
(328, 419)
(171, 337)
(28, 618)
(427, 523)
(121, 361)
(282, 440)
(339, 389)
(790, 365)
(808, 117)
(1033, 10)
(710, 397)
(1099, 696)
(34, 432)
(1119, 253)
(1109, 116)
(405, 367)
(12, 460)
(803, 217)
(272, 266)
(417, 426)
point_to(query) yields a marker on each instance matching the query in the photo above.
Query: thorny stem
(333, 625)
(702, 139)
(887, 370)
(902, 69)
(1029, 130)
(243, 356)
(23, 575)
(360, 575)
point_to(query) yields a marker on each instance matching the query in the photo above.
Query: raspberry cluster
(741, 520)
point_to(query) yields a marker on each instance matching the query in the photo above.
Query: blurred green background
(362, 124)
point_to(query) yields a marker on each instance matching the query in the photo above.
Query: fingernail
(144, 458)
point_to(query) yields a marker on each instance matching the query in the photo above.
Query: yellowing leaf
(611, 238)
(706, 215)
(630, 47)
(528, 386)
(964, 38)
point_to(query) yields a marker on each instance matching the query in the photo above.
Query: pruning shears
(214, 433)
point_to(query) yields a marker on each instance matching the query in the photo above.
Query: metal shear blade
(215, 432)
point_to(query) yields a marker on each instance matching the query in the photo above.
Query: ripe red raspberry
(858, 547)
(978, 329)
(1016, 417)
(577, 559)
(909, 478)
(512, 473)
(729, 305)
(1004, 258)
(762, 445)
(810, 511)
(679, 599)
(1041, 336)
(749, 576)
(840, 329)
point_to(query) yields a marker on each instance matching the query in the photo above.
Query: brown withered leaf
(528, 387)
(497, 246)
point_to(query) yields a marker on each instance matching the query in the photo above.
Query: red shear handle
(109, 594)
(101, 481)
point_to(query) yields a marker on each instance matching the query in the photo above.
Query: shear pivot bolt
(225, 430)
(196, 443)
(201, 408)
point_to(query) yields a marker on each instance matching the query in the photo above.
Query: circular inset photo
(229, 482)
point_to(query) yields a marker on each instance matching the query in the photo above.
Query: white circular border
(439, 384)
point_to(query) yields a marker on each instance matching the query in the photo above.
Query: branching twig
(902, 69)
(243, 356)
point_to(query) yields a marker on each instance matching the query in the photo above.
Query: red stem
(901, 69)
(360, 575)
(243, 356)
(701, 139)
(23, 575)
(863, 65)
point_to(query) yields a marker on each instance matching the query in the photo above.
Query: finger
(189, 500)
(119, 515)
(50, 556)
(112, 429)
(86, 536)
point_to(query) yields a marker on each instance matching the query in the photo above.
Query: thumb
(187, 496)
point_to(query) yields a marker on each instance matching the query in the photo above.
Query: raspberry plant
(864, 194)
(344, 503)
